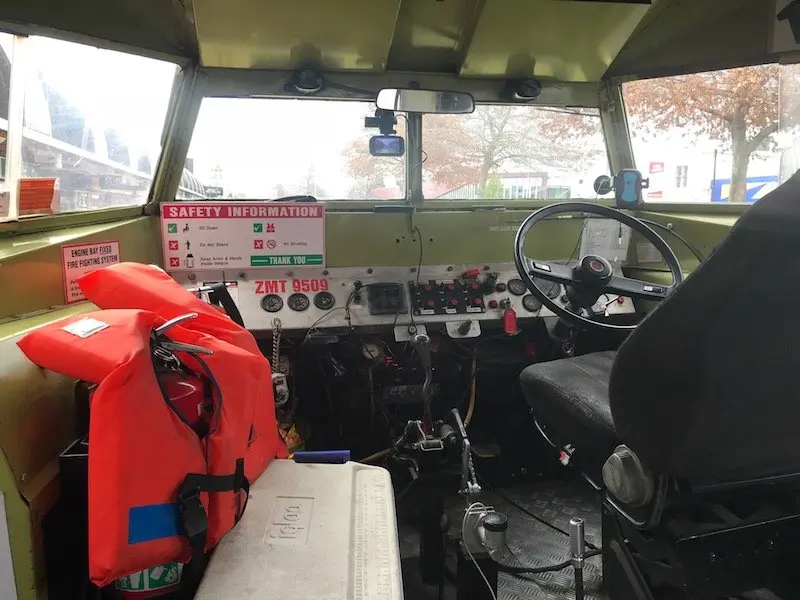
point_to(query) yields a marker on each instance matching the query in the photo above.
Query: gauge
(531, 303)
(271, 303)
(298, 302)
(324, 301)
(517, 287)
(551, 289)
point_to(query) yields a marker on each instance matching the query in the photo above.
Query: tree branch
(758, 139)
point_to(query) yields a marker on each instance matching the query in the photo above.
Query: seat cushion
(569, 398)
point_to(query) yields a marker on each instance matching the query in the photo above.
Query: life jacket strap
(220, 296)
(193, 516)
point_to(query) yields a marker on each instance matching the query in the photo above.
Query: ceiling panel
(566, 40)
(287, 34)
(432, 36)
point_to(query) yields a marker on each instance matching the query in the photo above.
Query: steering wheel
(593, 275)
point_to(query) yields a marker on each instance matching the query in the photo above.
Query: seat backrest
(707, 388)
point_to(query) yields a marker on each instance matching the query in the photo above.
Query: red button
(450, 286)
(474, 286)
(427, 287)
(620, 300)
(430, 302)
(477, 302)
(454, 302)
(492, 303)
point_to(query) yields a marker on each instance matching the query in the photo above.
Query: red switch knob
(510, 322)
(477, 302)
(492, 303)
(430, 302)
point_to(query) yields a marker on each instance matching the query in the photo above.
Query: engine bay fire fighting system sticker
(80, 259)
(200, 236)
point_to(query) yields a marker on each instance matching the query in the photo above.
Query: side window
(6, 56)
(719, 136)
(88, 115)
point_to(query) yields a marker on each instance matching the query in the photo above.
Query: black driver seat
(570, 398)
(705, 390)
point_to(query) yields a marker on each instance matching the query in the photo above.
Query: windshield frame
(240, 83)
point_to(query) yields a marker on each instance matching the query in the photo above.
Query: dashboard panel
(381, 297)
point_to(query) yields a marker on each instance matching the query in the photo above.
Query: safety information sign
(80, 259)
(242, 235)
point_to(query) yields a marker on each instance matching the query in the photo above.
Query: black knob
(495, 522)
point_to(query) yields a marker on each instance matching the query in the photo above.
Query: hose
(521, 570)
(376, 456)
(472, 389)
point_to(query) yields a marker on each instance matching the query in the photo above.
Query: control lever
(469, 480)
(422, 345)
(578, 551)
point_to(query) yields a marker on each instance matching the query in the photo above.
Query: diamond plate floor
(532, 543)
(536, 545)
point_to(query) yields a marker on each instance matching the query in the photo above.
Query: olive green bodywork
(37, 406)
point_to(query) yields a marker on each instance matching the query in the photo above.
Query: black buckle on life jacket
(193, 515)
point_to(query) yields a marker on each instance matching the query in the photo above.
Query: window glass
(245, 148)
(6, 56)
(93, 124)
(513, 153)
(713, 137)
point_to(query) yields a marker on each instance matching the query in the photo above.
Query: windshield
(513, 152)
(245, 148)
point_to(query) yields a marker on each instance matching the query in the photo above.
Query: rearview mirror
(426, 101)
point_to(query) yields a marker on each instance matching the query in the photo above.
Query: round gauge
(324, 301)
(517, 287)
(531, 303)
(298, 302)
(271, 303)
(551, 289)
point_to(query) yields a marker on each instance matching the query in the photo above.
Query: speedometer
(271, 303)
(298, 302)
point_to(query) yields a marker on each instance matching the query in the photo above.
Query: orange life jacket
(135, 285)
(158, 491)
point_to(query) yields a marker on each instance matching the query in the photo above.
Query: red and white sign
(242, 235)
(80, 259)
(656, 167)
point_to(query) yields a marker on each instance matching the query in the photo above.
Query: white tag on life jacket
(85, 327)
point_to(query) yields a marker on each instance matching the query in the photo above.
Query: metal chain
(276, 344)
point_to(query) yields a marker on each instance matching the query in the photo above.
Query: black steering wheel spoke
(593, 273)
(550, 271)
(636, 288)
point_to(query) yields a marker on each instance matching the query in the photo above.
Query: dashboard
(462, 298)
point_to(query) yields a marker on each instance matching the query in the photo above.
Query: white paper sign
(606, 238)
(242, 235)
(81, 259)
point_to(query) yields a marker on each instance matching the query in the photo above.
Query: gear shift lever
(422, 345)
